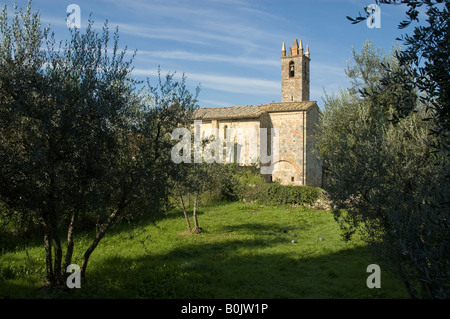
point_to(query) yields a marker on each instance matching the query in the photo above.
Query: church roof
(252, 111)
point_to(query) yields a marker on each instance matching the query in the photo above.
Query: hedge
(275, 193)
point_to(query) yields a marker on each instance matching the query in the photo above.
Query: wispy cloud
(215, 103)
(205, 57)
(224, 22)
(230, 84)
(235, 84)
(174, 34)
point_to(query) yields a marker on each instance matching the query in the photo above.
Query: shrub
(247, 184)
(290, 194)
(250, 186)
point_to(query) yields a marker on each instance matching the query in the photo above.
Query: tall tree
(64, 131)
(384, 180)
(425, 55)
(170, 106)
(76, 136)
(425, 68)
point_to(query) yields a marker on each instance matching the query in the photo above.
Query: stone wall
(290, 168)
(244, 148)
(297, 163)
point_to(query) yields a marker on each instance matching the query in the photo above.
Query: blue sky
(232, 48)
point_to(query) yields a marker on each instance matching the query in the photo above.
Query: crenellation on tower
(295, 50)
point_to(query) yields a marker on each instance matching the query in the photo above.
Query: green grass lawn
(242, 253)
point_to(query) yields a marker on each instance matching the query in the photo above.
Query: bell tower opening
(291, 69)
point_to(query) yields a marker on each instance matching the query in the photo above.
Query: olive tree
(77, 136)
(425, 54)
(425, 69)
(170, 106)
(384, 179)
(65, 130)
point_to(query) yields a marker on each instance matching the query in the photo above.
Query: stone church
(294, 118)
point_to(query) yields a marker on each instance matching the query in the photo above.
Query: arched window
(291, 69)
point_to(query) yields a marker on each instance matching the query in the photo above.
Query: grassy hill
(244, 251)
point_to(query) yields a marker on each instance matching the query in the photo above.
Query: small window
(291, 69)
(292, 178)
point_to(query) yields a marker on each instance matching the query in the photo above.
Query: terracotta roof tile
(252, 111)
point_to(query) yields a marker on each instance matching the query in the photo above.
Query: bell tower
(295, 73)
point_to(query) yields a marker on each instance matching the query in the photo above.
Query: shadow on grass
(236, 269)
(10, 243)
(261, 229)
(226, 268)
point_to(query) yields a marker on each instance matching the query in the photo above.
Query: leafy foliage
(77, 138)
(384, 180)
(425, 57)
(424, 68)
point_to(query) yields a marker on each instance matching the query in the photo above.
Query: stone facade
(294, 119)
